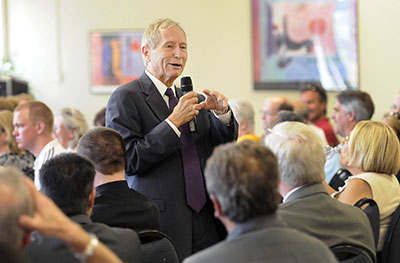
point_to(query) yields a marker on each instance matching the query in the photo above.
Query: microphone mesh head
(186, 84)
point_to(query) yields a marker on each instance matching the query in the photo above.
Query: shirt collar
(290, 193)
(161, 87)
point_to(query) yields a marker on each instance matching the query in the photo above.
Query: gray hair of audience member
(299, 151)
(244, 179)
(151, 36)
(358, 102)
(243, 110)
(74, 121)
(15, 201)
(105, 148)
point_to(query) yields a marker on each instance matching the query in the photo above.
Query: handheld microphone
(186, 86)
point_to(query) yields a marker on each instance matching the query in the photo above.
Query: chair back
(391, 244)
(157, 247)
(350, 254)
(372, 212)
(339, 178)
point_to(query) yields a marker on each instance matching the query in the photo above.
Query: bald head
(270, 110)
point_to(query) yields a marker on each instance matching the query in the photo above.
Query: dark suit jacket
(138, 112)
(117, 205)
(123, 242)
(312, 210)
(265, 239)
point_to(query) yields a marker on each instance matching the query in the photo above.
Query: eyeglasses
(395, 114)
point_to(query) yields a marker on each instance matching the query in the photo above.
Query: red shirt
(325, 125)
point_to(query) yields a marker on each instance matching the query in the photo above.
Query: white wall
(219, 38)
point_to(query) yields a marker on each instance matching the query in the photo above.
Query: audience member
(10, 154)
(33, 127)
(23, 209)
(68, 180)
(393, 120)
(304, 113)
(7, 104)
(314, 96)
(270, 109)
(244, 114)
(242, 180)
(100, 118)
(15, 201)
(350, 108)
(115, 204)
(396, 104)
(306, 205)
(165, 157)
(371, 154)
(69, 126)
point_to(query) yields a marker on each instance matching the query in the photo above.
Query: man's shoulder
(275, 243)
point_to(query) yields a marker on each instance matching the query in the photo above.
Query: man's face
(341, 118)
(316, 107)
(167, 60)
(24, 130)
(396, 104)
(269, 113)
(61, 133)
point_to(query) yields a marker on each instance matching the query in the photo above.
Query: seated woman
(372, 155)
(69, 126)
(10, 154)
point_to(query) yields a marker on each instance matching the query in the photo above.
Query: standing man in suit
(165, 160)
(307, 206)
(115, 204)
(242, 180)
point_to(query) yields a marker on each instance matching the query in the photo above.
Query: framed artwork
(115, 59)
(300, 42)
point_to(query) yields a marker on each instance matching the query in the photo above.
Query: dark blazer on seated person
(312, 210)
(123, 242)
(265, 239)
(117, 205)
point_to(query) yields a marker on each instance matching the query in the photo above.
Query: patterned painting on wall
(115, 59)
(300, 42)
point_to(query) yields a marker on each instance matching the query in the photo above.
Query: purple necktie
(195, 192)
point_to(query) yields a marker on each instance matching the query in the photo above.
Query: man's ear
(26, 239)
(146, 53)
(243, 125)
(351, 116)
(217, 207)
(40, 127)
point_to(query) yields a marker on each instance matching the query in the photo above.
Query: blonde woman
(372, 154)
(10, 154)
(69, 126)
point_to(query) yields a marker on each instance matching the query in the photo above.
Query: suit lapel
(153, 98)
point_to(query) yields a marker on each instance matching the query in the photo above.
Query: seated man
(306, 204)
(115, 204)
(68, 180)
(244, 114)
(33, 122)
(24, 209)
(242, 180)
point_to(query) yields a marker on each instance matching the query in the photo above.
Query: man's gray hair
(244, 179)
(151, 36)
(15, 201)
(299, 151)
(243, 110)
(358, 102)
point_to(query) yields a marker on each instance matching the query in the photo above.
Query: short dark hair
(68, 180)
(105, 148)
(322, 97)
(285, 115)
(244, 179)
(286, 106)
(358, 102)
(100, 118)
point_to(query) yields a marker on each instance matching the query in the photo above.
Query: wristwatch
(89, 250)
